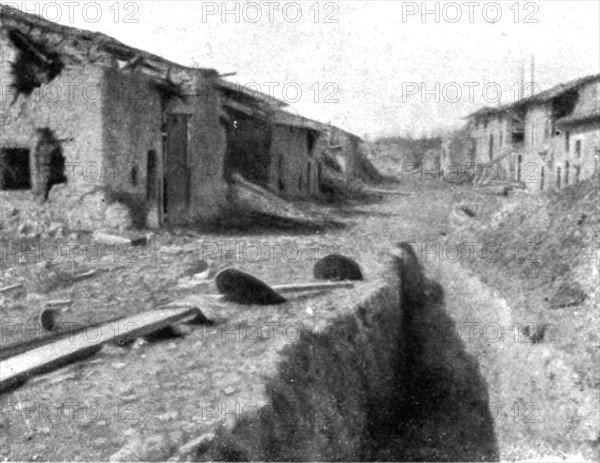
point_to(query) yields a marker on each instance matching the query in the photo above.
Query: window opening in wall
(567, 141)
(578, 148)
(558, 174)
(15, 173)
(566, 172)
(134, 176)
(577, 174)
(310, 142)
(542, 178)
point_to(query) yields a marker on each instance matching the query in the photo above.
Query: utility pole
(532, 73)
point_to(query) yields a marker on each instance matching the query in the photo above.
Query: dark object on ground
(243, 288)
(467, 211)
(337, 267)
(47, 319)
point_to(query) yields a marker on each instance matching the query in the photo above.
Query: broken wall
(71, 107)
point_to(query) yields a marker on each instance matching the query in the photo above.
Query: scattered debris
(230, 390)
(10, 288)
(105, 238)
(198, 267)
(85, 275)
(190, 450)
(16, 369)
(194, 280)
(252, 202)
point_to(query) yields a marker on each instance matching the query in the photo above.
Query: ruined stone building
(99, 131)
(546, 141)
(96, 133)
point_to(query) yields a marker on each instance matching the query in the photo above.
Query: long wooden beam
(17, 369)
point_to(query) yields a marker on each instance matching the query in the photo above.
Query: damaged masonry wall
(111, 121)
(73, 117)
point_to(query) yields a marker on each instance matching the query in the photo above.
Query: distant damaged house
(95, 130)
(545, 141)
(288, 154)
(268, 146)
(562, 127)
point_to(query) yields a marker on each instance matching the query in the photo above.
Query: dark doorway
(248, 149)
(15, 173)
(176, 200)
(519, 162)
(151, 186)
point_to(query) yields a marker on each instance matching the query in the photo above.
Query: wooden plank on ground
(16, 369)
(293, 287)
(10, 288)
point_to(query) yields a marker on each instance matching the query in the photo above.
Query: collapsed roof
(538, 98)
(77, 46)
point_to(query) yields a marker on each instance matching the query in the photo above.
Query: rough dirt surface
(148, 397)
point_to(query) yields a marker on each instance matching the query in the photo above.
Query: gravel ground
(150, 393)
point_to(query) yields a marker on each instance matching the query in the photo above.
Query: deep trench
(385, 389)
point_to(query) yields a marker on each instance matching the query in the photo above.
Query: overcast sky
(364, 66)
